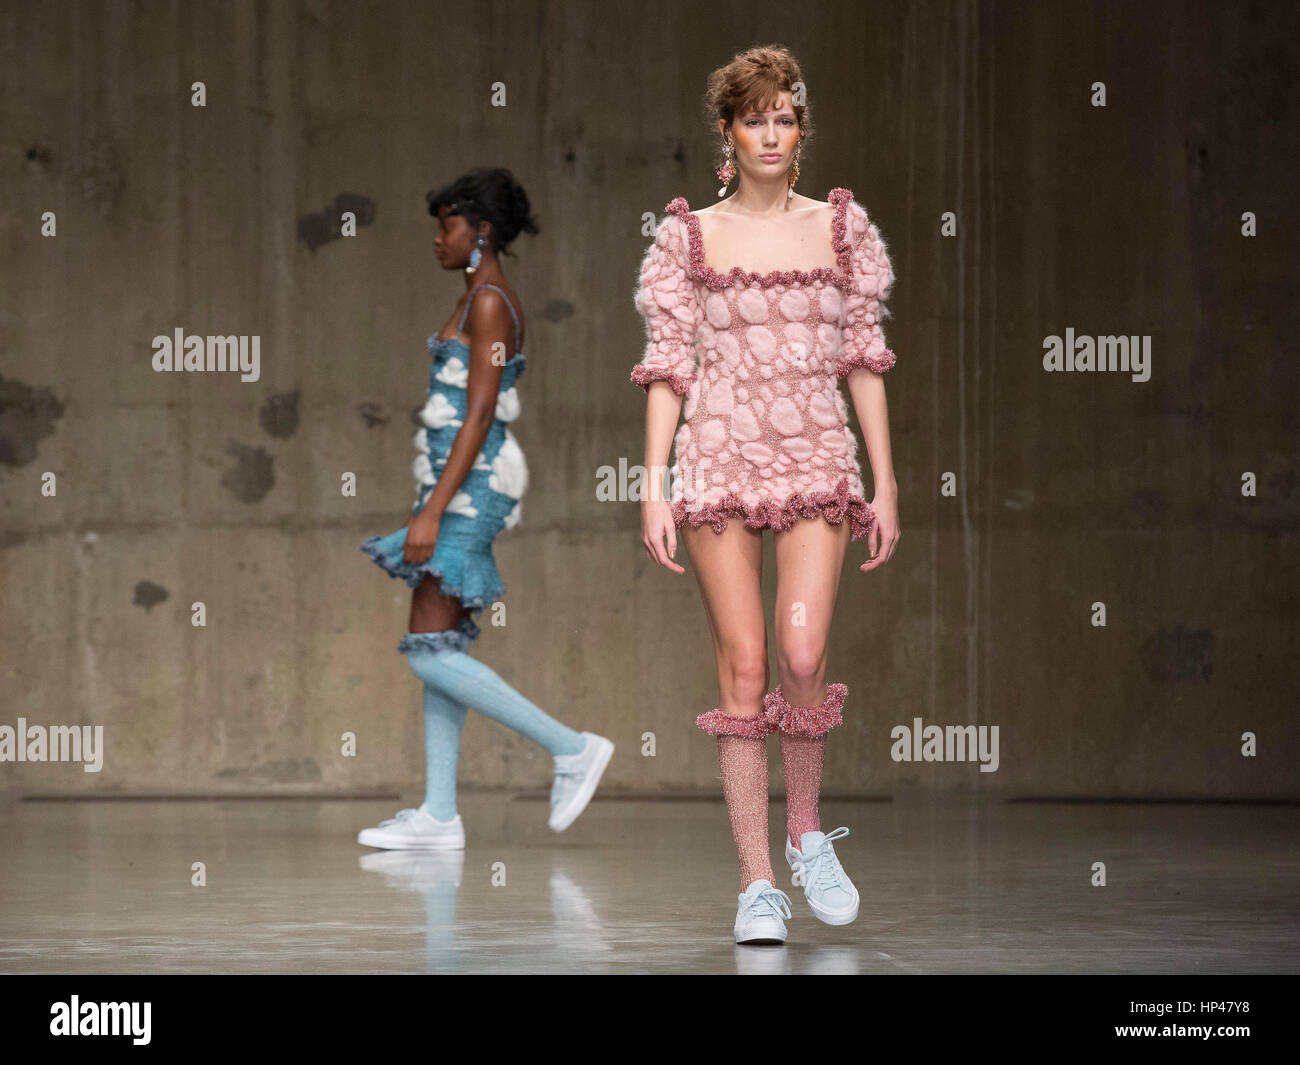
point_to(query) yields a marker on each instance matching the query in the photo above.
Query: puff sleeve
(862, 342)
(666, 299)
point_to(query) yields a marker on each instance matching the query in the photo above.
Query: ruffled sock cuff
(811, 721)
(718, 723)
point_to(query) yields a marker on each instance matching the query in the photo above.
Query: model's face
(454, 241)
(765, 140)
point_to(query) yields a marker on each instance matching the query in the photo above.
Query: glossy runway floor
(948, 886)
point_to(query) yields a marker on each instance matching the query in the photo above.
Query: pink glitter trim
(832, 506)
(643, 375)
(876, 364)
(842, 277)
(810, 721)
(719, 723)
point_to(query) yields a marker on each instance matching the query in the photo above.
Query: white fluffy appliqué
(462, 504)
(454, 373)
(509, 470)
(508, 405)
(438, 411)
(423, 470)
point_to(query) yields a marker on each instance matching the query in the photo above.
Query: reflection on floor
(947, 885)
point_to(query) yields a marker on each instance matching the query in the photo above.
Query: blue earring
(476, 256)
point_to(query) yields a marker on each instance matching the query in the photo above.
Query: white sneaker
(416, 830)
(576, 777)
(759, 912)
(830, 893)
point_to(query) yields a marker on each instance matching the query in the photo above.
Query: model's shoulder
(490, 306)
(800, 202)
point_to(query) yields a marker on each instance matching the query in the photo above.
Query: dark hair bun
(488, 194)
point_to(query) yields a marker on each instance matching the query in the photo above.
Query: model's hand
(656, 528)
(421, 536)
(883, 537)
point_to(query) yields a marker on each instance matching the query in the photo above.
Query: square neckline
(841, 275)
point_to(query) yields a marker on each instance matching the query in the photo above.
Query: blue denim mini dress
(489, 499)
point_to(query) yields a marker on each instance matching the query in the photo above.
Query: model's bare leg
(431, 611)
(809, 558)
(728, 567)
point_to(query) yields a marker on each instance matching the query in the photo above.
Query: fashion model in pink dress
(758, 359)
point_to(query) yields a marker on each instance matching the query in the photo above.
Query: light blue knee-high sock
(471, 683)
(444, 718)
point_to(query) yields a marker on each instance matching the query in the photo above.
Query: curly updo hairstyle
(488, 194)
(751, 82)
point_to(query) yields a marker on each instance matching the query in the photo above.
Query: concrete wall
(1068, 489)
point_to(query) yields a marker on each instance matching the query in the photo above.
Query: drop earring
(793, 174)
(727, 170)
(476, 256)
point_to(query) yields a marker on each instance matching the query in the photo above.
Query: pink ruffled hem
(832, 505)
(875, 363)
(719, 723)
(681, 382)
(810, 721)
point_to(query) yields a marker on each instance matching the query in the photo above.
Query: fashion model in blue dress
(488, 500)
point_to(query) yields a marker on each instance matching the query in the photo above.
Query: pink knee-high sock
(743, 762)
(803, 747)
(801, 765)
(742, 759)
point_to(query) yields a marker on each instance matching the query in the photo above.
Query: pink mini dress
(766, 434)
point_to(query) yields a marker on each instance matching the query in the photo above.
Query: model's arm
(864, 359)
(490, 327)
(662, 408)
(868, 392)
(666, 300)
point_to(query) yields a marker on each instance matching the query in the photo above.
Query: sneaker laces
(402, 815)
(770, 902)
(822, 869)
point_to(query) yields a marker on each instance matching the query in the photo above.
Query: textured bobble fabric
(743, 763)
(666, 300)
(863, 340)
(758, 358)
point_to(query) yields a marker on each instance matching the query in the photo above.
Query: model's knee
(803, 666)
(745, 676)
